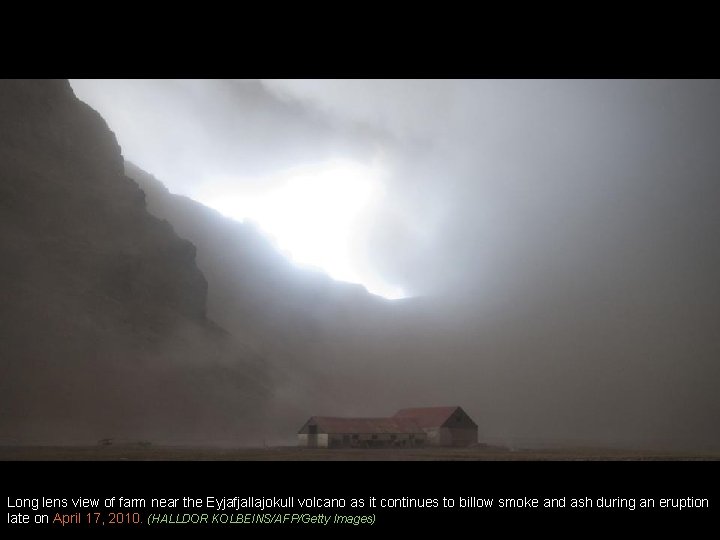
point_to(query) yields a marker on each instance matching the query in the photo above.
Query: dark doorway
(312, 436)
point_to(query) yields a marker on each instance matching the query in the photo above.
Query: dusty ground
(172, 453)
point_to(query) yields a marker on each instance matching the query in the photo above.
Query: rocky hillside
(253, 288)
(103, 309)
(320, 334)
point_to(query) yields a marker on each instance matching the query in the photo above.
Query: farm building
(333, 432)
(444, 426)
(437, 426)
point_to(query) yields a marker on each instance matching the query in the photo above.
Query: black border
(484, 48)
(391, 480)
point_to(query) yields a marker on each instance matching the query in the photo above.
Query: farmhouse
(436, 426)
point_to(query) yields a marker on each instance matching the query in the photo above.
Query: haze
(557, 238)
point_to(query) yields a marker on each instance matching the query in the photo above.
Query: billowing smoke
(561, 236)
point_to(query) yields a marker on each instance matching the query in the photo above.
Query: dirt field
(175, 453)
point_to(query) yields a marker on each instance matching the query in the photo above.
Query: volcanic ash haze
(555, 240)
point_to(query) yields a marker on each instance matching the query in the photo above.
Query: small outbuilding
(436, 426)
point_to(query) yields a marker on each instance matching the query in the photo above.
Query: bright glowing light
(314, 214)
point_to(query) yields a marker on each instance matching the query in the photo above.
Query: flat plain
(291, 453)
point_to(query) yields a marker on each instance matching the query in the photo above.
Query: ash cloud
(560, 235)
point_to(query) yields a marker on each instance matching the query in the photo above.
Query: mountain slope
(103, 307)
(312, 327)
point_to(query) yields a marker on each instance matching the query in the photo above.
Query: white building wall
(313, 441)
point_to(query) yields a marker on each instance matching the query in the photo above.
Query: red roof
(427, 417)
(332, 424)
